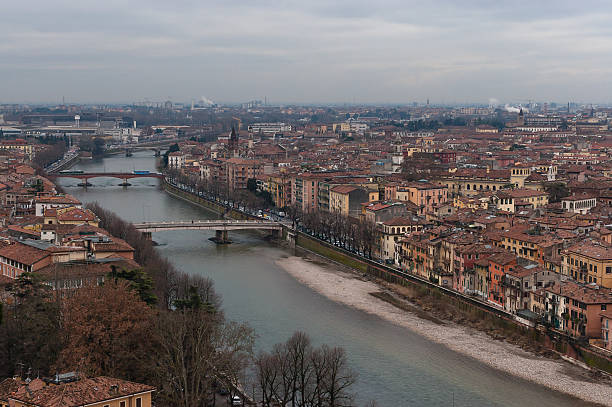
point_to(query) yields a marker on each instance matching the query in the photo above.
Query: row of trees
(216, 189)
(52, 151)
(348, 232)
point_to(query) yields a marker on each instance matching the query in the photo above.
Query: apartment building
(589, 261)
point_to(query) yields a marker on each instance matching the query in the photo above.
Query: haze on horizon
(389, 51)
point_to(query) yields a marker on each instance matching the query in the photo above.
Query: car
(236, 401)
(224, 391)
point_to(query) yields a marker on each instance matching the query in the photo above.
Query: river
(396, 366)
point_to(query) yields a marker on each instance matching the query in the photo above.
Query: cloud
(315, 51)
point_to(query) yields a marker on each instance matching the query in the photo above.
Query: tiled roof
(23, 253)
(79, 393)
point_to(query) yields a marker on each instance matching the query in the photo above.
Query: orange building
(499, 265)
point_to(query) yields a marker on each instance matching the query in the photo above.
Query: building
(579, 203)
(392, 231)
(576, 308)
(176, 160)
(268, 128)
(55, 202)
(512, 200)
(240, 170)
(606, 328)
(381, 211)
(499, 265)
(32, 255)
(589, 261)
(347, 199)
(67, 390)
(18, 145)
(425, 195)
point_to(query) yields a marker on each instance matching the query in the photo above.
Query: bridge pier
(125, 183)
(221, 237)
(291, 238)
(85, 183)
(147, 235)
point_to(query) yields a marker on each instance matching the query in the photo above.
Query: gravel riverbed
(347, 288)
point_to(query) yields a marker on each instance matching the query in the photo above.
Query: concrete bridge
(125, 176)
(221, 227)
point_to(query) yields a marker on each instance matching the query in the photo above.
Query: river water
(396, 366)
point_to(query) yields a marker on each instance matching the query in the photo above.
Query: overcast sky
(313, 51)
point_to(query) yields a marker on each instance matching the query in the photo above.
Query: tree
(29, 334)
(139, 280)
(197, 347)
(107, 331)
(297, 374)
(252, 184)
(556, 191)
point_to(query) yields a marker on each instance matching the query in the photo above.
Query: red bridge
(119, 175)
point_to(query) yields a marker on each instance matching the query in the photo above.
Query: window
(604, 307)
(138, 402)
(608, 270)
(122, 404)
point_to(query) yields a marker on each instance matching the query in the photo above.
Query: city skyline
(346, 52)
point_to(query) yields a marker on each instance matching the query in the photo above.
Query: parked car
(236, 401)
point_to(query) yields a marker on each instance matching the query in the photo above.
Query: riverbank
(348, 288)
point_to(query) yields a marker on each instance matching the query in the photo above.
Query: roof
(588, 294)
(98, 267)
(76, 214)
(400, 221)
(58, 199)
(23, 253)
(81, 392)
(344, 189)
(7, 386)
(593, 249)
(503, 258)
(521, 193)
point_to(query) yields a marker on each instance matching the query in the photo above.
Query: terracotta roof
(79, 393)
(593, 249)
(23, 253)
(8, 386)
(344, 189)
(400, 221)
(503, 258)
(76, 214)
(59, 199)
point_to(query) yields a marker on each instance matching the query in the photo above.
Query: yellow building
(589, 261)
(518, 175)
(279, 187)
(70, 216)
(392, 231)
(472, 181)
(18, 144)
(511, 200)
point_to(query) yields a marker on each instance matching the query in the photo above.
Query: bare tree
(297, 374)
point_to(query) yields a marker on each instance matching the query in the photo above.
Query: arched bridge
(220, 226)
(85, 176)
(120, 175)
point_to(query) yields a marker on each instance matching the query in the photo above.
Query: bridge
(220, 226)
(85, 176)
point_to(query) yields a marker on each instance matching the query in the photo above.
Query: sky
(311, 51)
